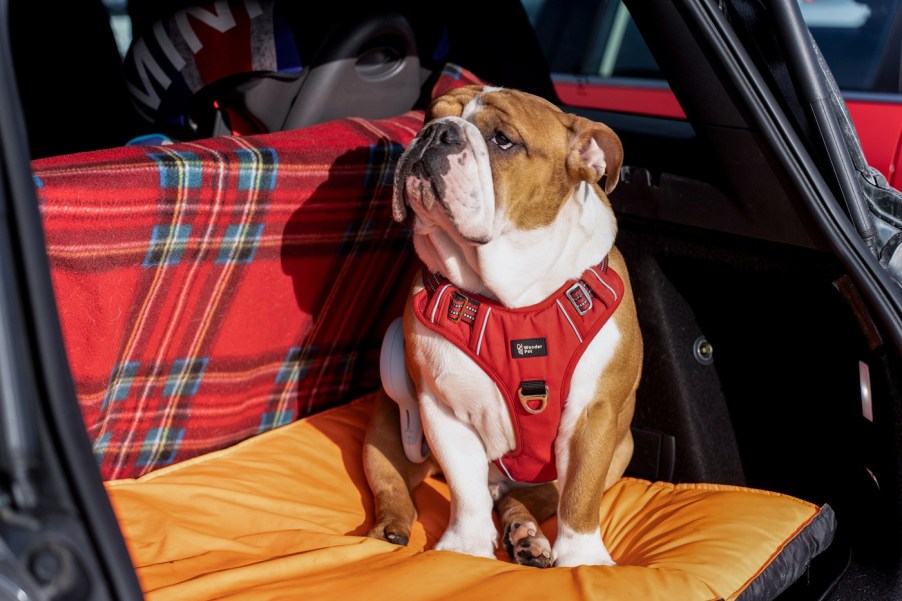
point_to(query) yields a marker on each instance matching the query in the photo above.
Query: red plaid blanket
(210, 291)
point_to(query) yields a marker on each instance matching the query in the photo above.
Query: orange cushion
(282, 516)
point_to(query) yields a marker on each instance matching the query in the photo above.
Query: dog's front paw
(480, 543)
(527, 545)
(391, 531)
(578, 549)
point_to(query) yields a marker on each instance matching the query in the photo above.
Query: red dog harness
(530, 352)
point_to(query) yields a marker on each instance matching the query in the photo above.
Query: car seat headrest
(368, 67)
(234, 67)
(202, 46)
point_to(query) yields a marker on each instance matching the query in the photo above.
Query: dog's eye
(502, 141)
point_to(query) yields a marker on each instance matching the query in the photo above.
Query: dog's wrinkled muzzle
(445, 177)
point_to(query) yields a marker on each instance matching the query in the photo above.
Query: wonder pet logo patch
(529, 347)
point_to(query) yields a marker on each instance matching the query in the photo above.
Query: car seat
(234, 68)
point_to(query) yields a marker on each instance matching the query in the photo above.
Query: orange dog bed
(282, 516)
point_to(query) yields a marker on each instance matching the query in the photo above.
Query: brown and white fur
(503, 190)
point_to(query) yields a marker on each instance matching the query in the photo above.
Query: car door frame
(59, 537)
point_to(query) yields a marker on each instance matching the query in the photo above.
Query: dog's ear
(452, 103)
(595, 152)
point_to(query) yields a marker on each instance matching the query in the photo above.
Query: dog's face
(489, 160)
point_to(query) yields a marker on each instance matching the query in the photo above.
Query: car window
(858, 40)
(861, 40)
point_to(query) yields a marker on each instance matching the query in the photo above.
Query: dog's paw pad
(526, 546)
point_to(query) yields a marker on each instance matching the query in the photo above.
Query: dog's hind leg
(521, 511)
(390, 474)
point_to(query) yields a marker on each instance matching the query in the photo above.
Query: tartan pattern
(212, 290)
(185, 377)
(160, 446)
(178, 170)
(240, 243)
(167, 245)
(120, 382)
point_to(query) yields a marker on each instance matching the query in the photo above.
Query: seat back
(212, 290)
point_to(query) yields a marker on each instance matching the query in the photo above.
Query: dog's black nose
(445, 133)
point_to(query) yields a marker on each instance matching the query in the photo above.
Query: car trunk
(211, 292)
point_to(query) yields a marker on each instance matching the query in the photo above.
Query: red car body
(879, 122)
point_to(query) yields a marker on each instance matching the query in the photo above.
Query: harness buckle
(456, 306)
(580, 297)
(535, 391)
(462, 308)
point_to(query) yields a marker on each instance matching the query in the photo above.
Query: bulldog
(520, 337)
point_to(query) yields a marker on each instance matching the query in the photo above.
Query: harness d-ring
(532, 397)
